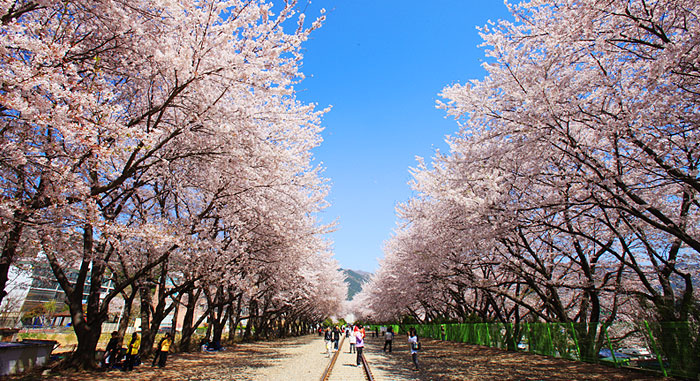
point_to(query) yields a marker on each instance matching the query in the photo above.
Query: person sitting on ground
(214, 346)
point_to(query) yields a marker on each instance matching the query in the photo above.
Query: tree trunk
(252, 312)
(9, 251)
(173, 326)
(88, 336)
(232, 321)
(187, 325)
(218, 329)
(160, 312)
(219, 316)
(207, 336)
(126, 314)
(86, 324)
(146, 337)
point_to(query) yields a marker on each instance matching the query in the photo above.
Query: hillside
(355, 279)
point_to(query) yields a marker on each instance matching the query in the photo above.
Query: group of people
(116, 357)
(413, 342)
(331, 336)
(356, 336)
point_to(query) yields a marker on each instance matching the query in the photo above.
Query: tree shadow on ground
(456, 361)
(239, 362)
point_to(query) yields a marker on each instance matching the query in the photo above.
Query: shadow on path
(456, 361)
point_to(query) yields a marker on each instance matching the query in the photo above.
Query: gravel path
(299, 359)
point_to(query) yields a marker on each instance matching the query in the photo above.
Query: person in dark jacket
(328, 338)
(336, 337)
(112, 351)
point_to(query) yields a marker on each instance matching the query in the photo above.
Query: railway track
(332, 363)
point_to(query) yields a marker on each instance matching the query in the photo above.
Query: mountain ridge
(355, 280)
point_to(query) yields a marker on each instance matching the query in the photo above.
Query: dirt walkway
(304, 359)
(300, 358)
(454, 361)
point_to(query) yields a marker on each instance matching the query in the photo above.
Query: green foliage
(675, 345)
(408, 319)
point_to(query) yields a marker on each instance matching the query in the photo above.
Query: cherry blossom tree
(571, 187)
(108, 107)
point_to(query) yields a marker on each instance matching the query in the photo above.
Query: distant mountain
(355, 280)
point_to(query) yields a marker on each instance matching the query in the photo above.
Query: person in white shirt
(353, 340)
(388, 338)
(415, 346)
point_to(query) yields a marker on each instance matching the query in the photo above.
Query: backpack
(415, 346)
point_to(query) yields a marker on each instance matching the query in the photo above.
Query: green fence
(670, 348)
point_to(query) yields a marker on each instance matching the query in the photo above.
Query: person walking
(132, 351)
(359, 343)
(336, 337)
(388, 338)
(328, 338)
(415, 346)
(353, 340)
(163, 348)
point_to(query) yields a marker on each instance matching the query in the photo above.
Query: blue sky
(380, 65)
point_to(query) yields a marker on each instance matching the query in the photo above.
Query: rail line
(329, 369)
(365, 366)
